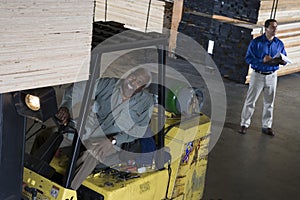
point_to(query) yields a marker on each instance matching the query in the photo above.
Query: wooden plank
(286, 4)
(281, 17)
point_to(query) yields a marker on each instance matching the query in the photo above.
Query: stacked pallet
(243, 10)
(230, 42)
(143, 15)
(44, 43)
(231, 25)
(286, 11)
(253, 11)
(204, 6)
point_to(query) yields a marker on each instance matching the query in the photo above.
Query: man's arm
(71, 102)
(63, 113)
(251, 57)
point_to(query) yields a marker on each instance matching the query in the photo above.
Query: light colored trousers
(259, 83)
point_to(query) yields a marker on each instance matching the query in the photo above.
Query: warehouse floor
(256, 166)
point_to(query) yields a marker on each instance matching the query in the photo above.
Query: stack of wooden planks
(231, 25)
(142, 15)
(286, 11)
(44, 43)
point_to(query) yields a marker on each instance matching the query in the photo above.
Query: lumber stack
(137, 15)
(44, 43)
(233, 24)
(253, 11)
(287, 11)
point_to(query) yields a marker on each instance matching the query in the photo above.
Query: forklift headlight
(32, 102)
(39, 104)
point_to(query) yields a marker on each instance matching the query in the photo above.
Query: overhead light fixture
(39, 104)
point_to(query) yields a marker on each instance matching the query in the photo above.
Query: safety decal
(188, 150)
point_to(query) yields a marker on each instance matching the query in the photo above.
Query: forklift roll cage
(131, 40)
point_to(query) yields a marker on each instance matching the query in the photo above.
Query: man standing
(260, 55)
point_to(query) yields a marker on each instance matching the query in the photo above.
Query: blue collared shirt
(259, 48)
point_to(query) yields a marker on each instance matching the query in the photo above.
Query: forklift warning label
(144, 187)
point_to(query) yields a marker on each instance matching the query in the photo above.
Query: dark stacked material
(203, 6)
(238, 9)
(104, 30)
(231, 24)
(230, 42)
(246, 10)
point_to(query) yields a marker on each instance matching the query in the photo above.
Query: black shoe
(268, 131)
(243, 130)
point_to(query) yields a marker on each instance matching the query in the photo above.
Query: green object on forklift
(172, 104)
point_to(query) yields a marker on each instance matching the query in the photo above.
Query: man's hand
(100, 148)
(63, 115)
(267, 58)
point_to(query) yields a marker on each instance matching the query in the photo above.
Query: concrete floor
(256, 166)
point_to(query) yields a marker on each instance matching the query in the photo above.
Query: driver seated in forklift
(120, 114)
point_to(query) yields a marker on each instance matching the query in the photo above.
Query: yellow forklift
(178, 166)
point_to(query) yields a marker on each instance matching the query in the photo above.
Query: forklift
(178, 165)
